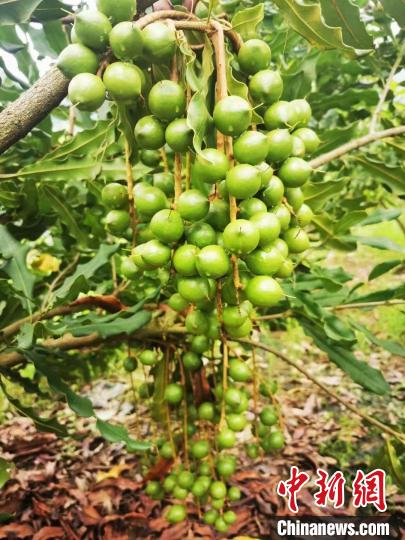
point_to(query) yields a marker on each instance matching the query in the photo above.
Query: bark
(21, 116)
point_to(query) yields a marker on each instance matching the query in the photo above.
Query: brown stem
(163, 157)
(71, 122)
(130, 191)
(352, 145)
(323, 387)
(185, 413)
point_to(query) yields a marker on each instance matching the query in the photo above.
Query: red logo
(369, 489)
(289, 488)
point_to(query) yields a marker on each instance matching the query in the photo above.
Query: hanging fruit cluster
(221, 227)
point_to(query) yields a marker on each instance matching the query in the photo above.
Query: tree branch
(23, 114)
(352, 145)
(323, 387)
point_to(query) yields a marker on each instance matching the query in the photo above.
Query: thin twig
(327, 390)
(130, 191)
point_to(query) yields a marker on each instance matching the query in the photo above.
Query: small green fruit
(92, 29)
(123, 82)
(253, 56)
(117, 10)
(232, 115)
(173, 393)
(149, 133)
(266, 87)
(179, 136)
(77, 58)
(114, 196)
(167, 100)
(251, 147)
(264, 291)
(167, 226)
(159, 42)
(86, 92)
(126, 40)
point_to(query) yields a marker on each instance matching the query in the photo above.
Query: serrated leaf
(49, 10)
(119, 324)
(246, 21)
(349, 220)
(78, 169)
(344, 14)
(360, 372)
(57, 202)
(351, 97)
(77, 282)
(316, 194)
(392, 177)
(17, 11)
(14, 254)
(114, 433)
(378, 243)
(307, 20)
(383, 268)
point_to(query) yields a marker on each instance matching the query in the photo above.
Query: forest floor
(85, 488)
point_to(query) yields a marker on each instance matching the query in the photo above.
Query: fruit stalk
(130, 189)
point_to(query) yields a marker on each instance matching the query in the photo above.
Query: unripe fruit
(179, 136)
(150, 157)
(265, 261)
(239, 371)
(266, 87)
(268, 226)
(309, 138)
(266, 173)
(253, 56)
(114, 195)
(159, 42)
(196, 322)
(218, 215)
(177, 303)
(77, 58)
(264, 291)
(295, 198)
(150, 200)
(167, 450)
(218, 489)
(206, 411)
(185, 479)
(304, 215)
(233, 397)
(185, 259)
(251, 147)
(193, 205)
(241, 236)
(152, 488)
(211, 165)
(294, 172)
(213, 262)
(86, 92)
(196, 289)
(117, 221)
(268, 416)
(167, 226)
(220, 525)
(148, 358)
(149, 133)
(176, 513)
(165, 182)
(252, 450)
(243, 181)
(274, 192)
(277, 115)
(225, 465)
(300, 113)
(155, 254)
(274, 441)
(279, 145)
(92, 28)
(173, 393)
(229, 517)
(232, 115)
(180, 493)
(128, 268)
(226, 438)
(210, 516)
(236, 422)
(283, 215)
(200, 344)
(234, 316)
(126, 40)
(130, 364)
(117, 10)
(234, 493)
(167, 100)
(298, 147)
(286, 269)
(201, 234)
(123, 82)
(240, 331)
(200, 449)
(297, 240)
(250, 207)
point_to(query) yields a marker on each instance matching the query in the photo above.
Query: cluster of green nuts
(221, 229)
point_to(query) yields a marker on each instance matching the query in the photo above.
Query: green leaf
(78, 281)
(57, 203)
(382, 214)
(16, 11)
(317, 194)
(396, 9)
(391, 346)
(119, 434)
(246, 21)
(158, 402)
(333, 138)
(344, 14)
(380, 296)
(383, 268)
(50, 10)
(307, 19)
(343, 100)
(198, 115)
(42, 424)
(5, 471)
(378, 243)
(349, 220)
(15, 267)
(360, 372)
(392, 177)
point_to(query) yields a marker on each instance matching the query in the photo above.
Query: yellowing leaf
(114, 472)
(42, 262)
